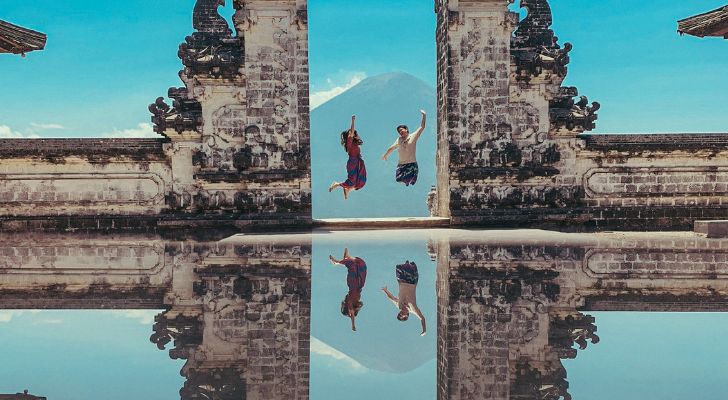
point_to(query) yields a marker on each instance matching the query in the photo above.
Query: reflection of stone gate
(236, 138)
(510, 311)
(237, 311)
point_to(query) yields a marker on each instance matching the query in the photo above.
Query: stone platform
(382, 223)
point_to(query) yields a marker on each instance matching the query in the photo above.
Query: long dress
(355, 168)
(355, 278)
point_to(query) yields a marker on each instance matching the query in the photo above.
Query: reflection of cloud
(322, 96)
(323, 349)
(143, 130)
(145, 317)
(7, 316)
(48, 322)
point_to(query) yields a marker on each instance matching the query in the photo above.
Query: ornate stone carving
(184, 115)
(534, 46)
(212, 50)
(213, 384)
(576, 328)
(566, 114)
(531, 384)
(185, 331)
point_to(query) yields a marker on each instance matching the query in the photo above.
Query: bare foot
(346, 193)
(333, 186)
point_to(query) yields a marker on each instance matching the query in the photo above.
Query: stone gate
(234, 145)
(511, 148)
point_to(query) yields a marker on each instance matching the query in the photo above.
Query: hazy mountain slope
(380, 103)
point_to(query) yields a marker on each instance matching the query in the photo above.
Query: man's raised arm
(419, 130)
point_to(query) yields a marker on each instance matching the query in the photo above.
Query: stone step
(382, 223)
(713, 229)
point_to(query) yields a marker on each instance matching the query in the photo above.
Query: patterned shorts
(407, 173)
(407, 273)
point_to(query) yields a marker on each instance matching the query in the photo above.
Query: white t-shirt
(407, 147)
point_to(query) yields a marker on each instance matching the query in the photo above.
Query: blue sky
(106, 61)
(77, 355)
(653, 356)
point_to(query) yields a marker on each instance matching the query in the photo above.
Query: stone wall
(82, 177)
(648, 182)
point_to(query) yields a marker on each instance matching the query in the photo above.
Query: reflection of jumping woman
(355, 169)
(355, 278)
(407, 277)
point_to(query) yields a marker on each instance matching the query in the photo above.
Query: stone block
(712, 229)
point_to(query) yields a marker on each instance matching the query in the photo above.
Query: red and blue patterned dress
(355, 168)
(355, 277)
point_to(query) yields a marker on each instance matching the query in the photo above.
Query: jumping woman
(355, 169)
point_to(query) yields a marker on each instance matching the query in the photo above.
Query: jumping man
(406, 144)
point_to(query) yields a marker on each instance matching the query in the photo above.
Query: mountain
(380, 103)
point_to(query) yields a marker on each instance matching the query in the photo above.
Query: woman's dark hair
(345, 311)
(357, 139)
(402, 126)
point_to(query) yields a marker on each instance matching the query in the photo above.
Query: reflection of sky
(653, 356)
(79, 355)
(107, 354)
(384, 358)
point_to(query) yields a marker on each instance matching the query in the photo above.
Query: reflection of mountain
(381, 342)
(380, 103)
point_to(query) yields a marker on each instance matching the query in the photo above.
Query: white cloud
(321, 348)
(7, 132)
(44, 127)
(143, 130)
(320, 97)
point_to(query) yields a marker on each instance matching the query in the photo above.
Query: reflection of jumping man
(407, 277)
(406, 145)
(355, 278)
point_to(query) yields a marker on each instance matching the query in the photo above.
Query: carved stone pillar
(239, 129)
(506, 128)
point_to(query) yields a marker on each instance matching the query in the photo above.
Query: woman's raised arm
(351, 130)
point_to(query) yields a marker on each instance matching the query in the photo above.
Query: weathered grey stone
(712, 229)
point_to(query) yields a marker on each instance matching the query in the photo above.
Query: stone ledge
(138, 149)
(712, 229)
(380, 223)
(655, 141)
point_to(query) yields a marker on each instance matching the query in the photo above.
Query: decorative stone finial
(534, 45)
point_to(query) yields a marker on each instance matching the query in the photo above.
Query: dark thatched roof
(711, 23)
(18, 40)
